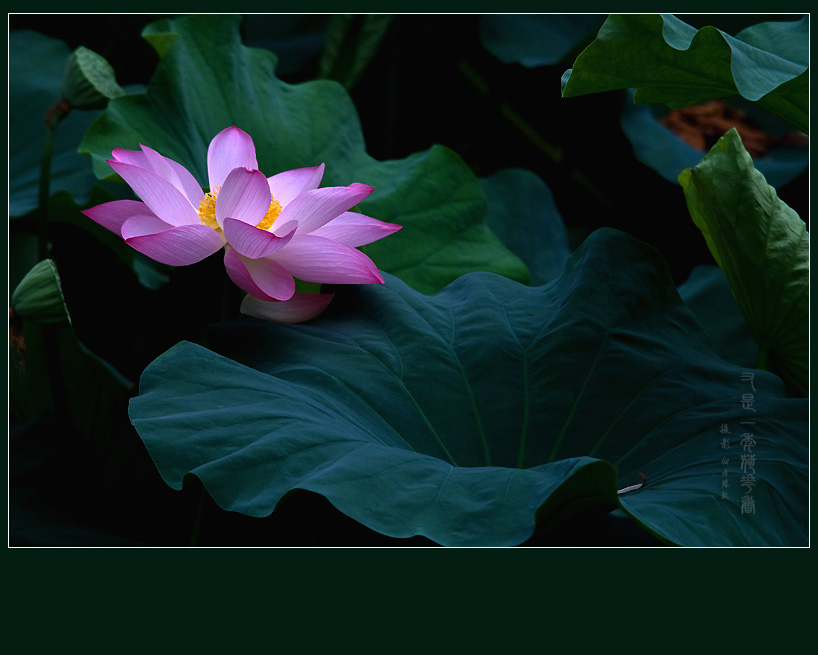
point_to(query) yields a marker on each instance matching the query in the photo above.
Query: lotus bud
(38, 298)
(89, 81)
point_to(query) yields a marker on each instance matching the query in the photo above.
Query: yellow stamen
(272, 214)
(207, 211)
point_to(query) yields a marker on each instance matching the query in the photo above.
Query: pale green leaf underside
(763, 247)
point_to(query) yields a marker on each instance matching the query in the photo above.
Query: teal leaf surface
(474, 415)
(667, 61)
(208, 80)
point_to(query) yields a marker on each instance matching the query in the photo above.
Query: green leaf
(207, 80)
(36, 67)
(669, 62)
(470, 415)
(763, 247)
(352, 43)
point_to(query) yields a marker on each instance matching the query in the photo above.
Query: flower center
(272, 214)
(207, 211)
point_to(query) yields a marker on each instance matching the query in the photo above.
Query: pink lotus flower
(272, 229)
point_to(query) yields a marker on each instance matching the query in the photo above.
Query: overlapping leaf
(207, 80)
(763, 247)
(668, 61)
(469, 415)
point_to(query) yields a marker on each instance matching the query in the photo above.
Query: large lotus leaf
(667, 61)
(763, 247)
(36, 66)
(659, 148)
(472, 415)
(207, 80)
